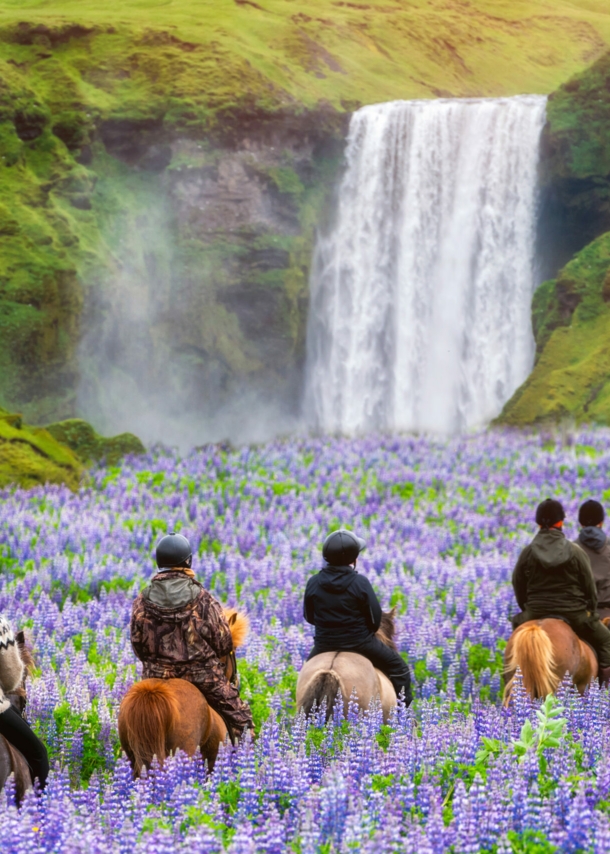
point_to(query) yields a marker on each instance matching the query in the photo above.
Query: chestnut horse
(160, 716)
(329, 674)
(545, 650)
(11, 760)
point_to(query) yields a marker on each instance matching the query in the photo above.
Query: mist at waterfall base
(137, 372)
(421, 292)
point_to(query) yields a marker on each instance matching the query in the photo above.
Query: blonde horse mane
(532, 652)
(239, 625)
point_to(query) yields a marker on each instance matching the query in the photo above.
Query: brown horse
(326, 676)
(11, 760)
(545, 650)
(159, 716)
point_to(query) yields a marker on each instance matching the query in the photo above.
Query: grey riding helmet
(173, 550)
(342, 548)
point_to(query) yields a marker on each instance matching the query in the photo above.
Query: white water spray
(421, 295)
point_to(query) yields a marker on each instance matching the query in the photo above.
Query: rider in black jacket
(346, 613)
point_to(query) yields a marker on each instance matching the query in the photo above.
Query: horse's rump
(146, 718)
(158, 716)
(329, 674)
(545, 650)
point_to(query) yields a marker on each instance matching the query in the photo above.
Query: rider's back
(553, 575)
(342, 606)
(175, 620)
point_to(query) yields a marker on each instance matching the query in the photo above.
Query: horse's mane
(387, 629)
(239, 625)
(25, 651)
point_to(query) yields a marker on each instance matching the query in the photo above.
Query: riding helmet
(173, 550)
(591, 513)
(549, 512)
(342, 548)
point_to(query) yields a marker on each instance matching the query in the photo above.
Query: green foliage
(548, 732)
(67, 721)
(384, 736)
(257, 692)
(530, 842)
(405, 491)
(481, 657)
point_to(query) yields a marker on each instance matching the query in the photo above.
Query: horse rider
(12, 726)
(179, 631)
(346, 613)
(553, 578)
(596, 546)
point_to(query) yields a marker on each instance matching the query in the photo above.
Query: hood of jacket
(172, 590)
(593, 538)
(336, 579)
(550, 548)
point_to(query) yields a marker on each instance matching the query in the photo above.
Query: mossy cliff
(571, 316)
(571, 313)
(220, 126)
(576, 157)
(58, 453)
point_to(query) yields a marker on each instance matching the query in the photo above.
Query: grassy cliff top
(131, 56)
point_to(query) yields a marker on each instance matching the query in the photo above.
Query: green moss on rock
(30, 456)
(88, 446)
(571, 377)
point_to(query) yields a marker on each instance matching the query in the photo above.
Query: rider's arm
(136, 629)
(11, 665)
(219, 634)
(587, 579)
(520, 578)
(372, 608)
(308, 604)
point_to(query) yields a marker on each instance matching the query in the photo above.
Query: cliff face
(571, 313)
(155, 260)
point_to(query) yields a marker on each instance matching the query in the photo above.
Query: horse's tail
(146, 717)
(325, 685)
(532, 652)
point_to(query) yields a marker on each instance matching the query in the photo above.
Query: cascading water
(421, 294)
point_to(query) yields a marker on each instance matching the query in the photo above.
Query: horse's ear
(20, 638)
(232, 619)
(392, 612)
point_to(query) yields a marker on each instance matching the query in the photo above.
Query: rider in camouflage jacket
(178, 630)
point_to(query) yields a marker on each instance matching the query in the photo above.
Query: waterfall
(421, 293)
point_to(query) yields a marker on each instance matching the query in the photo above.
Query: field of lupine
(444, 522)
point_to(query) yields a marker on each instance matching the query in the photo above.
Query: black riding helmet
(342, 548)
(173, 550)
(549, 512)
(591, 513)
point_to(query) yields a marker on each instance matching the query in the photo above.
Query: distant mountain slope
(222, 53)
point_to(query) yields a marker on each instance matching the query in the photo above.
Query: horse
(545, 650)
(329, 674)
(159, 716)
(11, 760)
